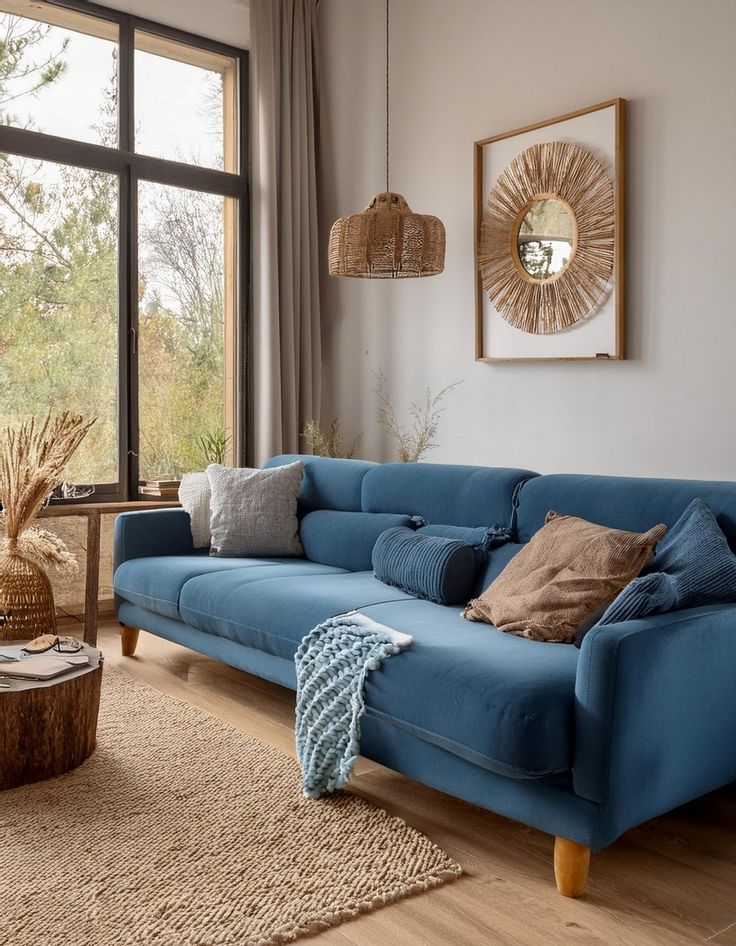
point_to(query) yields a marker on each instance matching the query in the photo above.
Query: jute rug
(182, 831)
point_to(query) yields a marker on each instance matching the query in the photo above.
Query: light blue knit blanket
(331, 666)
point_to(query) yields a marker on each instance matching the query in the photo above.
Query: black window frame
(132, 167)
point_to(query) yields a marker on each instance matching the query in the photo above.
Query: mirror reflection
(545, 238)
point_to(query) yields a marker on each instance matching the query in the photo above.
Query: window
(181, 324)
(122, 241)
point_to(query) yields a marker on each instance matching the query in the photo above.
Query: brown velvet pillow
(569, 569)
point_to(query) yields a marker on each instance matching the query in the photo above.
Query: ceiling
(227, 21)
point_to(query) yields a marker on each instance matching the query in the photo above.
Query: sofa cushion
(622, 502)
(498, 559)
(470, 535)
(274, 613)
(499, 701)
(693, 566)
(426, 566)
(155, 583)
(194, 496)
(254, 512)
(504, 703)
(328, 483)
(440, 492)
(345, 539)
(569, 569)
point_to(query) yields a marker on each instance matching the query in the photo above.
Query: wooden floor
(671, 882)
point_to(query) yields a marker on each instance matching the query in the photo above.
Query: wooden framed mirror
(549, 239)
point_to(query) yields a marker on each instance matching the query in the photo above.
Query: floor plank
(671, 882)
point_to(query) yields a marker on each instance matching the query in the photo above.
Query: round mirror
(545, 240)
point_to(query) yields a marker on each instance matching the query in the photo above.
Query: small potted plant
(214, 446)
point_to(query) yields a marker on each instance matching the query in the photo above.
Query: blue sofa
(582, 744)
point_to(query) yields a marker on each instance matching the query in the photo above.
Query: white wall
(466, 69)
(227, 21)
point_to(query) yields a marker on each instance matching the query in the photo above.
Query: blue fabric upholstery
(156, 583)
(696, 556)
(274, 614)
(345, 539)
(151, 532)
(426, 566)
(621, 502)
(656, 711)
(499, 701)
(276, 669)
(329, 483)
(468, 534)
(693, 565)
(455, 495)
(498, 559)
(548, 804)
(638, 721)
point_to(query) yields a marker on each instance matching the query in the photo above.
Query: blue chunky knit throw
(331, 666)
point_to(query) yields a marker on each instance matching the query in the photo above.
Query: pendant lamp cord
(387, 99)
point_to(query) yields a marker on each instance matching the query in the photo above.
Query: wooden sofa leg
(129, 640)
(572, 861)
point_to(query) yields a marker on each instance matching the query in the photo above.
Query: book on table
(40, 668)
(163, 492)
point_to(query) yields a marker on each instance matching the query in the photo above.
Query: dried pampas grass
(33, 458)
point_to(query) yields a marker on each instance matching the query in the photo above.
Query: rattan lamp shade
(387, 241)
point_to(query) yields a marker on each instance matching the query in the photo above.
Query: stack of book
(159, 489)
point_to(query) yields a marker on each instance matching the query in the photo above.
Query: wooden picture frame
(580, 342)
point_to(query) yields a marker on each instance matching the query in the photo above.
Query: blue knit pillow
(693, 565)
(483, 538)
(426, 566)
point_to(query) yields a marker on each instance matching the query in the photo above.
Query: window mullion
(126, 89)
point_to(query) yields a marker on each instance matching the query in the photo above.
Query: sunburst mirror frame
(572, 175)
(599, 333)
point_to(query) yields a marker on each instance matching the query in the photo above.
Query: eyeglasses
(63, 645)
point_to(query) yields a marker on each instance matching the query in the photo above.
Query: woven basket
(26, 599)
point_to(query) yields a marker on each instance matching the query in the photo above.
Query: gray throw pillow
(194, 496)
(253, 512)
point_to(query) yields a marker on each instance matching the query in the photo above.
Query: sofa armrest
(655, 715)
(151, 532)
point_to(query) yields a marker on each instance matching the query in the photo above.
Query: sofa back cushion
(443, 493)
(345, 539)
(497, 560)
(621, 502)
(328, 483)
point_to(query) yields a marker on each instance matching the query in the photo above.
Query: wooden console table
(93, 512)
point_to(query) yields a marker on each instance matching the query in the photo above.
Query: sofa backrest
(621, 502)
(328, 483)
(345, 504)
(444, 493)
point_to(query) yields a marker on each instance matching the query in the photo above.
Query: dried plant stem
(328, 441)
(32, 463)
(416, 441)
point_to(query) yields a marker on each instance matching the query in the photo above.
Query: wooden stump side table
(48, 727)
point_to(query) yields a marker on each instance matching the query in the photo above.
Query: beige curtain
(285, 250)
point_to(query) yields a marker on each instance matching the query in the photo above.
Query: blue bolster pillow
(426, 566)
(345, 539)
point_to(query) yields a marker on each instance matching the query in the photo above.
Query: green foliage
(59, 292)
(214, 446)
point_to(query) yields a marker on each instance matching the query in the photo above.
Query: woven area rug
(182, 831)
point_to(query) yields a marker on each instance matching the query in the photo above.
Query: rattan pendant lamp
(387, 240)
